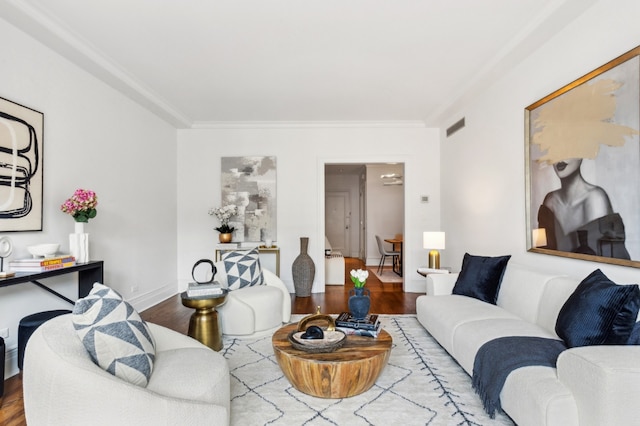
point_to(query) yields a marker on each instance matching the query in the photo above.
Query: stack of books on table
(205, 289)
(369, 326)
(42, 264)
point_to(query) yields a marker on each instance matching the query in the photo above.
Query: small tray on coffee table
(332, 340)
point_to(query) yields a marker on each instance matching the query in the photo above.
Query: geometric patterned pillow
(115, 336)
(242, 268)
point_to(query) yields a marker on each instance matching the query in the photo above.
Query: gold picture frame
(582, 166)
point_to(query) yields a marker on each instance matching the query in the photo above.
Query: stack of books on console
(42, 264)
(204, 289)
(369, 326)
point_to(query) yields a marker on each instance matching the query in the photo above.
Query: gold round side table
(204, 324)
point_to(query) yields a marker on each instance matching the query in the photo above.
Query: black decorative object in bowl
(313, 333)
(310, 337)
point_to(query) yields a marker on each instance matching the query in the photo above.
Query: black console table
(88, 273)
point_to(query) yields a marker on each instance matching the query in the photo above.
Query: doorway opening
(363, 200)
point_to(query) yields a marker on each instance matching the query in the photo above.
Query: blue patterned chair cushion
(242, 268)
(115, 336)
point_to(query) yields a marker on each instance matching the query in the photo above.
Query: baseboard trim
(11, 362)
(147, 300)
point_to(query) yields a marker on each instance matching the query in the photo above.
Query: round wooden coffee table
(347, 371)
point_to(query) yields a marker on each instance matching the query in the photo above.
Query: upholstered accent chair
(62, 385)
(254, 311)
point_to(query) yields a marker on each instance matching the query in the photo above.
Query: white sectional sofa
(592, 385)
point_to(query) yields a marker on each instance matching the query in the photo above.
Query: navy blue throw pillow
(598, 312)
(634, 338)
(480, 277)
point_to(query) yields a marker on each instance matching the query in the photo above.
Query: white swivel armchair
(189, 383)
(254, 311)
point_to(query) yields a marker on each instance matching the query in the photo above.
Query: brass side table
(204, 324)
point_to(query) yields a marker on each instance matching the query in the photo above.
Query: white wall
(96, 139)
(301, 155)
(483, 187)
(385, 210)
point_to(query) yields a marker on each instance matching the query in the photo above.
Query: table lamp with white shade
(433, 241)
(539, 237)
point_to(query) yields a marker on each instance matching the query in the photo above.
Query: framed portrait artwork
(583, 166)
(21, 140)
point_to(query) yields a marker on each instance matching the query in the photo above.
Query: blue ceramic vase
(359, 302)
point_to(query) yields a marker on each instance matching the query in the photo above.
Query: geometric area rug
(421, 385)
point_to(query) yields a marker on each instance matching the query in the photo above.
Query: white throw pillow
(115, 336)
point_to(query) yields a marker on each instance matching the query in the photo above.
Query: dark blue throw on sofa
(499, 357)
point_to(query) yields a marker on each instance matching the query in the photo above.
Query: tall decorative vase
(359, 302)
(303, 270)
(79, 243)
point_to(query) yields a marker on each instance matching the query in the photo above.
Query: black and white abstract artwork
(21, 134)
(250, 184)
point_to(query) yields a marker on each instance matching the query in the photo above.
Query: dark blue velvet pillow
(599, 312)
(634, 338)
(480, 277)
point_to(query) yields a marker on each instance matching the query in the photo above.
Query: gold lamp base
(434, 259)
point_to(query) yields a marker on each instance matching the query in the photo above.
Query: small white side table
(424, 271)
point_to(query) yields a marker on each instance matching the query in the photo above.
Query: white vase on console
(79, 243)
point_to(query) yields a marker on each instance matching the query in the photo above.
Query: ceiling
(201, 63)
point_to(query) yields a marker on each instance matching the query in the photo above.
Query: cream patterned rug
(387, 275)
(421, 385)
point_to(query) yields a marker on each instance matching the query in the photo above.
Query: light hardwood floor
(385, 299)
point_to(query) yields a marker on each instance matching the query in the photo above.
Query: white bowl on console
(43, 250)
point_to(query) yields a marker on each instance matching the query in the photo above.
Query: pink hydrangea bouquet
(82, 205)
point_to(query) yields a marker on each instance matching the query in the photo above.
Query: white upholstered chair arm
(62, 385)
(167, 339)
(440, 284)
(273, 280)
(242, 319)
(605, 382)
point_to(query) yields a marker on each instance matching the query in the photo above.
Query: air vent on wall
(455, 127)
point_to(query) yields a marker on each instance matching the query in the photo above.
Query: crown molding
(413, 124)
(53, 34)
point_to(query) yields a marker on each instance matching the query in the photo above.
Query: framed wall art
(583, 166)
(250, 184)
(21, 177)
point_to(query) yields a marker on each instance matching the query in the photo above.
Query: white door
(337, 214)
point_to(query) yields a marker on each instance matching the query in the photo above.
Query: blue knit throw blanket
(499, 357)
